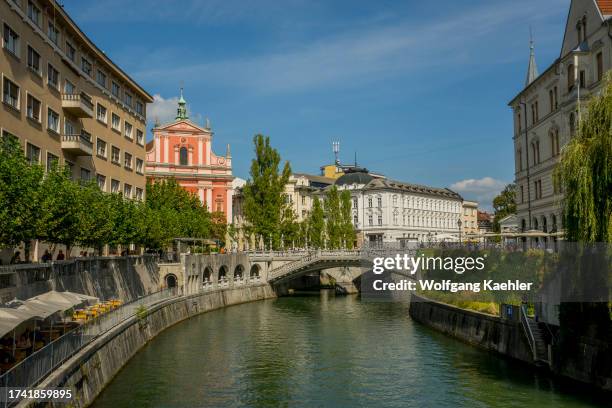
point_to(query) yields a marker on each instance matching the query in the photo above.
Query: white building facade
(547, 113)
(388, 211)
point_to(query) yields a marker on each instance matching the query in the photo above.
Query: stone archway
(222, 273)
(171, 281)
(207, 277)
(238, 272)
(255, 271)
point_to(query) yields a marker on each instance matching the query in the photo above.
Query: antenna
(336, 150)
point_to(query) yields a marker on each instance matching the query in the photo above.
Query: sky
(418, 90)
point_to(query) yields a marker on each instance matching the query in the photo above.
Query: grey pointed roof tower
(532, 68)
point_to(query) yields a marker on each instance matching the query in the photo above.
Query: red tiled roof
(605, 6)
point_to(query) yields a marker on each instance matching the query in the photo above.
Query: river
(323, 350)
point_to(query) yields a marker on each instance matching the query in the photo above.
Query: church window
(183, 157)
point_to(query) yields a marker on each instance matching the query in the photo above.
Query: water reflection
(313, 351)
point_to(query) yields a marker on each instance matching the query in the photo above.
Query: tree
(333, 224)
(316, 225)
(504, 204)
(584, 174)
(19, 188)
(290, 228)
(348, 229)
(95, 217)
(218, 226)
(264, 191)
(59, 208)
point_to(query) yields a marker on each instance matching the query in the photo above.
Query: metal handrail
(528, 332)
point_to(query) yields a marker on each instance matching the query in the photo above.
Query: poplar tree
(264, 192)
(316, 224)
(334, 225)
(348, 230)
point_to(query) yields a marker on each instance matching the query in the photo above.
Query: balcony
(77, 144)
(78, 105)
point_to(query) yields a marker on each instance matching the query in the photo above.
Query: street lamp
(459, 223)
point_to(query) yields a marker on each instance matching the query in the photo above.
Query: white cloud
(482, 190)
(162, 109)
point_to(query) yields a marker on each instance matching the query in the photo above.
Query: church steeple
(532, 68)
(181, 112)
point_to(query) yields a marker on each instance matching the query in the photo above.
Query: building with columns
(183, 150)
(547, 113)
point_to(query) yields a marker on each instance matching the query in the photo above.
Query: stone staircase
(535, 337)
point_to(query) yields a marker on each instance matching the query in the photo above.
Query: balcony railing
(79, 105)
(79, 144)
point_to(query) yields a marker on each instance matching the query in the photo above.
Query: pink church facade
(182, 150)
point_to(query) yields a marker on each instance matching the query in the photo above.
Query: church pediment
(183, 125)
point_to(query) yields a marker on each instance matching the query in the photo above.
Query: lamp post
(459, 223)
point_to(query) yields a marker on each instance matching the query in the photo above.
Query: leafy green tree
(264, 191)
(60, 208)
(504, 204)
(585, 175)
(290, 228)
(316, 225)
(19, 190)
(348, 229)
(218, 226)
(333, 218)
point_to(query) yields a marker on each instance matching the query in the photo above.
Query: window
(395, 218)
(127, 190)
(582, 79)
(538, 189)
(355, 220)
(379, 219)
(70, 167)
(127, 160)
(115, 155)
(551, 100)
(101, 79)
(52, 161)
(519, 159)
(556, 98)
(69, 88)
(354, 202)
(33, 60)
(85, 66)
(128, 99)
(101, 179)
(115, 89)
(394, 200)
(53, 33)
(10, 93)
(379, 201)
(139, 166)
(115, 186)
(554, 142)
(139, 108)
(183, 157)
(85, 175)
(570, 77)
(599, 60)
(32, 153)
(370, 202)
(33, 108)
(518, 119)
(139, 137)
(116, 122)
(52, 120)
(33, 13)
(128, 130)
(52, 76)
(101, 113)
(139, 194)
(70, 51)
(68, 127)
(572, 124)
(101, 147)
(535, 149)
(370, 222)
(11, 40)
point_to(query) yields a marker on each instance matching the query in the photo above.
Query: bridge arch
(222, 273)
(207, 276)
(255, 271)
(239, 271)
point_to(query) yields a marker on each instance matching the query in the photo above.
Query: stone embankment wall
(482, 330)
(126, 278)
(88, 372)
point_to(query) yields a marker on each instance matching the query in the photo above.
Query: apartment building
(67, 102)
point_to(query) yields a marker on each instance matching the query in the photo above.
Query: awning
(67, 300)
(11, 318)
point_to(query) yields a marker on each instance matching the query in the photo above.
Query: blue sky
(419, 89)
